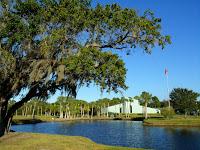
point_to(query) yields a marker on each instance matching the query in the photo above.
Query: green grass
(30, 120)
(33, 141)
(176, 121)
(38, 119)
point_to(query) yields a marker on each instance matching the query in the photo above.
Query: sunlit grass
(30, 120)
(177, 120)
(33, 141)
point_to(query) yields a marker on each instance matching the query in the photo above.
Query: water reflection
(122, 133)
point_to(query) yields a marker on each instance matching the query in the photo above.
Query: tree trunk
(33, 113)
(169, 104)
(2, 127)
(107, 111)
(9, 124)
(7, 114)
(69, 115)
(100, 111)
(26, 111)
(41, 111)
(61, 111)
(30, 110)
(146, 111)
(81, 111)
(66, 115)
(45, 111)
(3, 112)
(104, 113)
(22, 112)
(16, 113)
(92, 112)
(50, 112)
(54, 112)
(185, 114)
(88, 109)
(38, 110)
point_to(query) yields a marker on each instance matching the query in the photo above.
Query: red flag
(166, 71)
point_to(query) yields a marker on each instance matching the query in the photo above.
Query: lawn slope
(33, 141)
(178, 121)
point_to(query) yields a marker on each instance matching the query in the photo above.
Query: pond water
(122, 133)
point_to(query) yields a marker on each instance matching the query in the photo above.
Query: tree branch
(17, 105)
(112, 45)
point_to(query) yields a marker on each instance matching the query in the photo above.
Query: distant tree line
(67, 107)
(183, 101)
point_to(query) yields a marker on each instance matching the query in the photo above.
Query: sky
(180, 20)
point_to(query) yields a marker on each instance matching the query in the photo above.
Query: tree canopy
(146, 97)
(155, 102)
(184, 100)
(50, 45)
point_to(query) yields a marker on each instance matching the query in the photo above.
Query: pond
(122, 133)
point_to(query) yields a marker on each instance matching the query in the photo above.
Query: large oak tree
(50, 45)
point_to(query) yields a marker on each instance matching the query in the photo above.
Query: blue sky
(181, 20)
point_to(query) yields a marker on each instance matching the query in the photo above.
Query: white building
(129, 107)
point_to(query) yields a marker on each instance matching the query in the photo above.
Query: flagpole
(167, 80)
(168, 90)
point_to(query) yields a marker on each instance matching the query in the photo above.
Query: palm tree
(146, 97)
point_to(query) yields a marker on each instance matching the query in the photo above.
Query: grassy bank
(176, 121)
(30, 120)
(38, 119)
(32, 141)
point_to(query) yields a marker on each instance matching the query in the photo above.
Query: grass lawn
(176, 121)
(29, 120)
(38, 119)
(33, 141)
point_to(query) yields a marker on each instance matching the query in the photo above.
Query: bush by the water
(168, 112)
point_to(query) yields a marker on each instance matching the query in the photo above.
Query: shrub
(168, 112)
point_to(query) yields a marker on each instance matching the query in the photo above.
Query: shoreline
(173, 122)
(28, 120)
(171, 125)
(156, 121)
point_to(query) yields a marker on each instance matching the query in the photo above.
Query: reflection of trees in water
(127, 123)
(184, 137)
(182, 130)
(146, 136)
